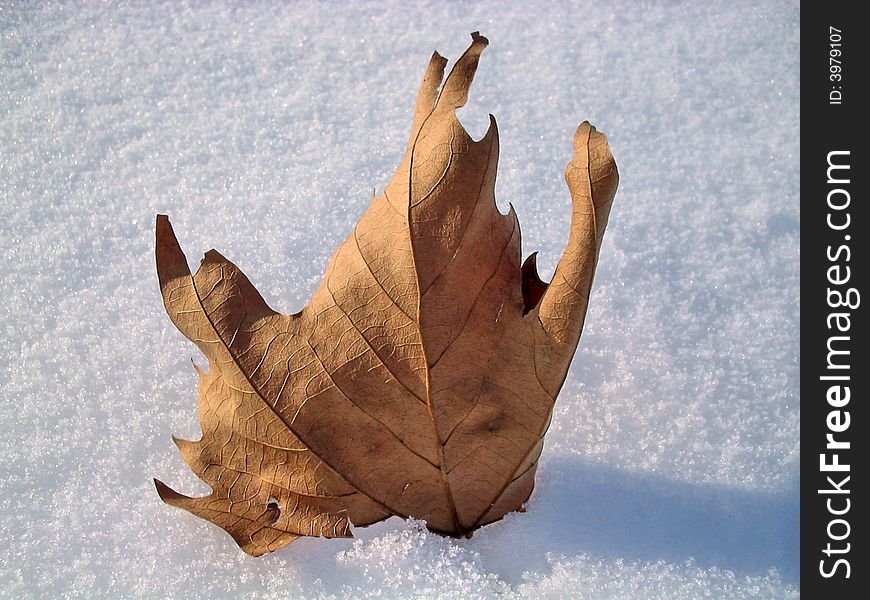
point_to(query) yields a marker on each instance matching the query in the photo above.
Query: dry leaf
(420, 380)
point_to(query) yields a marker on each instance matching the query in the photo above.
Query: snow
(671, 467)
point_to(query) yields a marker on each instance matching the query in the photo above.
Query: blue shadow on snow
(610, 514)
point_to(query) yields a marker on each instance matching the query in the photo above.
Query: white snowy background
(261, 128)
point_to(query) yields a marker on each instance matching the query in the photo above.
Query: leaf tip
(491, 135)
(162, 224)
(533, 287)
(454, 92)
(199, 370)
(190, 452)
(170, 259)
(439, 61)
(587, 134)
(592, 153)
(166, 493)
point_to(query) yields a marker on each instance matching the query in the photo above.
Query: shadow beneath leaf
(607, 513)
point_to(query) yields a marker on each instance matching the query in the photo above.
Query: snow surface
(671, 467)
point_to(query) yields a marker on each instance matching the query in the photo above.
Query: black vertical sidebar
(834, 264)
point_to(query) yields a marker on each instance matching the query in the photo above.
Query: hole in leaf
(273, 510)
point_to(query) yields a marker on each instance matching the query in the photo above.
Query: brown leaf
(420, 379)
